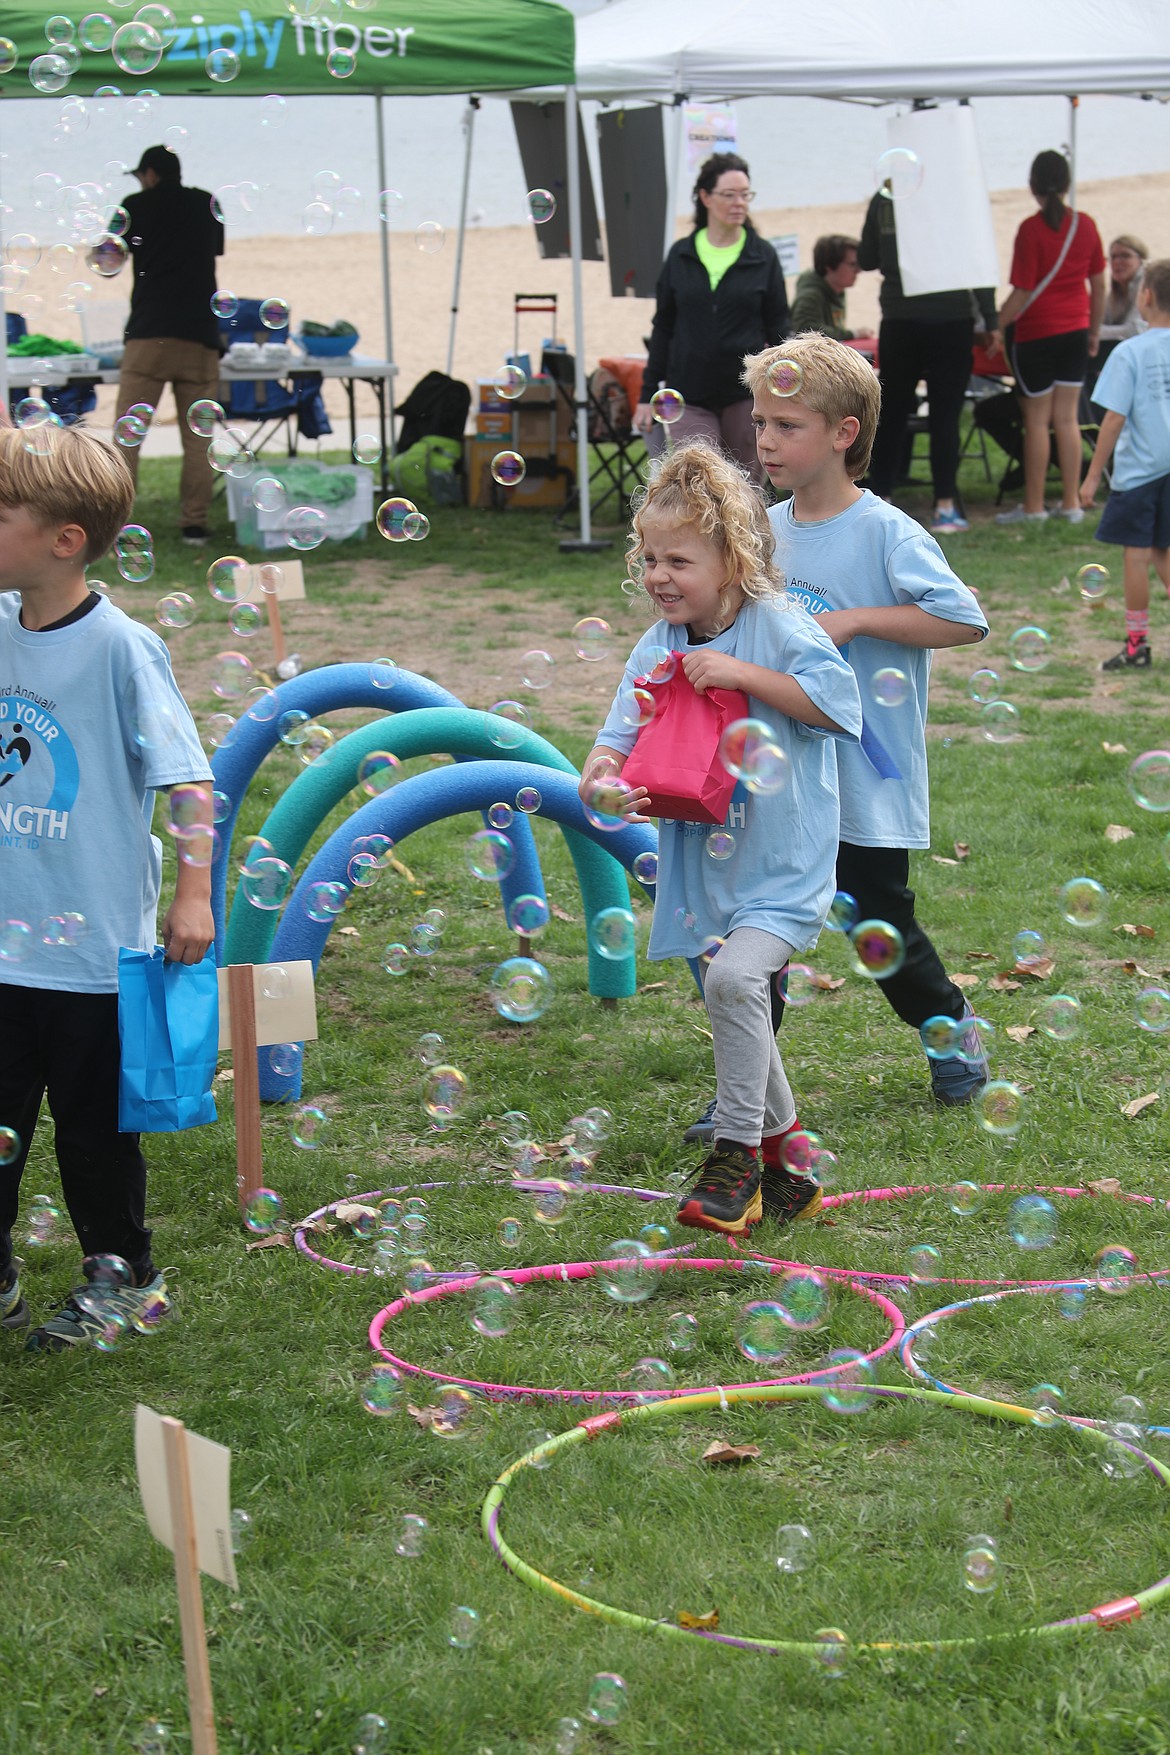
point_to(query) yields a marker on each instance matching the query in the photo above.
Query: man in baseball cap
(172, 336)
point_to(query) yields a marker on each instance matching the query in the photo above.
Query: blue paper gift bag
(168, 1026)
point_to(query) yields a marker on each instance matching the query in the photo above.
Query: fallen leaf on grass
(962, 850)
(1133, 931)
(1118, 832)
(100, 1691)
(559, 913)
(1139, 1103)
(351, 1212)
(1003, 984)
(722, 1452)
(1115, 749)
(274, 1240)
(1105, 1185)
(698, 1028)
(423, 1417)
(224, 1076)
(826, 983)
(1130, 967)
(980, 956)
(654, 986)
(349, 932)
(707, 1622)
(1038, 969)
(965, 980)
(316, 1227)
(939, 860)
(1020, 1032)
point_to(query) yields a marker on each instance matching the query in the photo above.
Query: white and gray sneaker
(962, 1075)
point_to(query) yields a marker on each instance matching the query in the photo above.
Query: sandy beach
(327, 278)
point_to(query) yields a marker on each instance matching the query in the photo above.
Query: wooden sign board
(210, 1470)
(283, 1000)
(289, 577)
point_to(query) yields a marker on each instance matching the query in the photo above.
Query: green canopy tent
(417, 48)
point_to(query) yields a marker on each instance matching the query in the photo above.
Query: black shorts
(1056, 359)
(1138, 517)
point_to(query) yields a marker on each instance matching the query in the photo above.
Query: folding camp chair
(618, 449)
(267, 402)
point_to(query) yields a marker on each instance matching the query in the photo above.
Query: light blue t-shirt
(780, 877)
(870, 556)
(91, 723)
(1135, 382)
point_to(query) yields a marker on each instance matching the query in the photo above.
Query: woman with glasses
(1127, 260)
(720, 296)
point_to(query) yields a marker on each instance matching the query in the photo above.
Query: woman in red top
(1056, 303)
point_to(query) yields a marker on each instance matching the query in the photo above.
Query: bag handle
(1056, 266)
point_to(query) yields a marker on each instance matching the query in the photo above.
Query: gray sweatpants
(752, 1093)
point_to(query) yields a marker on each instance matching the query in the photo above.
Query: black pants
(878, 878)
(67, 1044)
(941, 353)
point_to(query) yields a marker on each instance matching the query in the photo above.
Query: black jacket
(699, 336)
(174, 239)
(879, 249)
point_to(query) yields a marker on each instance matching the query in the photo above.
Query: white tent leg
(573, 166)
(673, 125)
(384, 228)
(4, 415)
(1073, 106)
(468, 129)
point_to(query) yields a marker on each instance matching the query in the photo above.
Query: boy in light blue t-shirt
(1134, 390)
(92, 725)
(758, 885)
(881, 587)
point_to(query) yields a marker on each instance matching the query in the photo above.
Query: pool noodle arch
(427, 798)
(329, 689)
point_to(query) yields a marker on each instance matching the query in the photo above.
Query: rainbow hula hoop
(525, 1185)
(869, 1278)
(914, 1367)
(585, 1270)
(1109, 1614)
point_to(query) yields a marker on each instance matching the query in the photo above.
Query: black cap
(161, 160)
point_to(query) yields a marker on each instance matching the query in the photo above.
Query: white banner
(945, 236)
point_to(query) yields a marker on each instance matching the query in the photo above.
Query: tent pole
(673, 150)
(384, 228)
(573, 167)
(1073, 106)
(468, 129)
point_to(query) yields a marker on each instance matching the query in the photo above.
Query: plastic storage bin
(265, 530)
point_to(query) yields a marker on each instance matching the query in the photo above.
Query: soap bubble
(536, 669)
(224, 304)
(222, 66)
(607, 1699)
(878, 949)
(1028, 949)
(763, 1334)
(843, 911)
(845, 1393)
(890, 687)
(412, 1530)
(367, 448)
(309, 1127)
(383, 673)
(229, 579)
(802, 1298)
(510, 382)
(490, 856)
(341, 62)
(444, 1093)
(108, 257)
(9, 54)
(1115, 1268)
(10, 1145)
(542, 205)
(391, 517)
(528, 915)
(999, 1108)
(980, 1565)
(1059, 1016)
(786, 378)
(940, 1036)
(1032, 1222)
(286, 1059)
(521, 990)
(509, 725)
(645, 868)
(382, 1391)
(604, 804)
(1149, 780)
(898, 173)
(176, 610)
(965, 1198)
(134, 554)
(923, 1261)
(245, 619)
(551, 1202)
(1152, 1007)
(265, 882)
(263, 1212)
(1047, 1402)
(720, 844)
(304, 527)
(1000, 721)
(740, 742)
(378, 771)
(231, 676)
(204, 416)
(612, 933)
(429, 237)
(396, 959)
(1093, 583)
(623, 1272)
(492, 1313)
(1030, 649)
(592, 638)
(667, 406)
(1083, 902)
(455, 1414)
(274, 313)
(324, 900)
(795, 1547)
(508, 468)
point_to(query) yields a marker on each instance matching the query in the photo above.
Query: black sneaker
(784, 1197)
(726, 1193)
(1130, 657)
(13, 1309)
(194, 535)
(702, 1129)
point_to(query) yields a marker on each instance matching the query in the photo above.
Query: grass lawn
(268, 1353)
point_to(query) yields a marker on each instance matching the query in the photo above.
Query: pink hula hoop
(584, 1270)
(866, 1277)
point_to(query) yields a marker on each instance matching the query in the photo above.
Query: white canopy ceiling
(880, 50)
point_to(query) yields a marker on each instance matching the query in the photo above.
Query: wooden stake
(279, 651)
(199, 1700)
(245, 1082)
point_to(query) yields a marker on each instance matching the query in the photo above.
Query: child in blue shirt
(881, 587)
(91, 726)
(702, 550)
(1134, 390)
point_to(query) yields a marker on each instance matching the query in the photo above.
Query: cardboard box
(537, 490)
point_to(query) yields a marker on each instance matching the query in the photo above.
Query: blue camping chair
(69, 403)
(266, 402)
